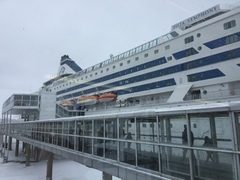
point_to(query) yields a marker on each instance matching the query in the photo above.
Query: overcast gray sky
(35, 34)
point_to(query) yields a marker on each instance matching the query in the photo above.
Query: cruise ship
(166, 109)
(198, 59)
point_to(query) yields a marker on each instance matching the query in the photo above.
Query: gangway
(155, 148)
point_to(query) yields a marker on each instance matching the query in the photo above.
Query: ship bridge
(142, 144)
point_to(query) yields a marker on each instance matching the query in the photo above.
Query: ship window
(81, 78)
(114, 67)
(128, 61)
(90, 75)
(121, 64)
(101, 71)
(136, 58)
(231, 39)
(190, 52)
(146, 55)
(174, 34)
(169, 58)
(198, 34)
(189, 39)
(95, 73)
(151, 44)
(156, 51)
(229, 24)
(86, 77)
(107, 69)
(167, 47)
(231, 54)
(144, 125)
(200, 48)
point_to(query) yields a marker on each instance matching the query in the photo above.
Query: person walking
(208, 143)
(185, 141)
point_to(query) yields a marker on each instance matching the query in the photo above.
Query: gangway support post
(17, 148)
(106, 176)
(49, 166)
(27, 154)
(10, 143)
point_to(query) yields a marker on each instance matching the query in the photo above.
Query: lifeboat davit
(87, 100)
(67, 103)
(106, 97)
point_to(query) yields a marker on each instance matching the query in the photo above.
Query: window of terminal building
(189, 39)
(229, 24)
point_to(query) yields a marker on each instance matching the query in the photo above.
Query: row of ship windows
(229, 40)
(146, 65)
(170, 82)
(226, 26)
(166, 71)
(154, 85)
(113, 67)
(136, 50)
(162, 72)
(128, 62)
(150, 44)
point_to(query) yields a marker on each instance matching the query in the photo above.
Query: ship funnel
(67, 66)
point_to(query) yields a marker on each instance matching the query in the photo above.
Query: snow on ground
(63, 169)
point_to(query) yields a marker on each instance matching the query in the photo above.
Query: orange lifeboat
(87, 100)
(67, 103)
(106, 97)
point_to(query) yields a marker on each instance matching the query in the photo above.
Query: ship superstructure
(198, 59)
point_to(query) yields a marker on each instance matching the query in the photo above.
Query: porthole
(198, 34)
(200, 48)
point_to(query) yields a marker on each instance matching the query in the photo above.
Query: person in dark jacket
(129, 136)
(208, 143)
(185, 140)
